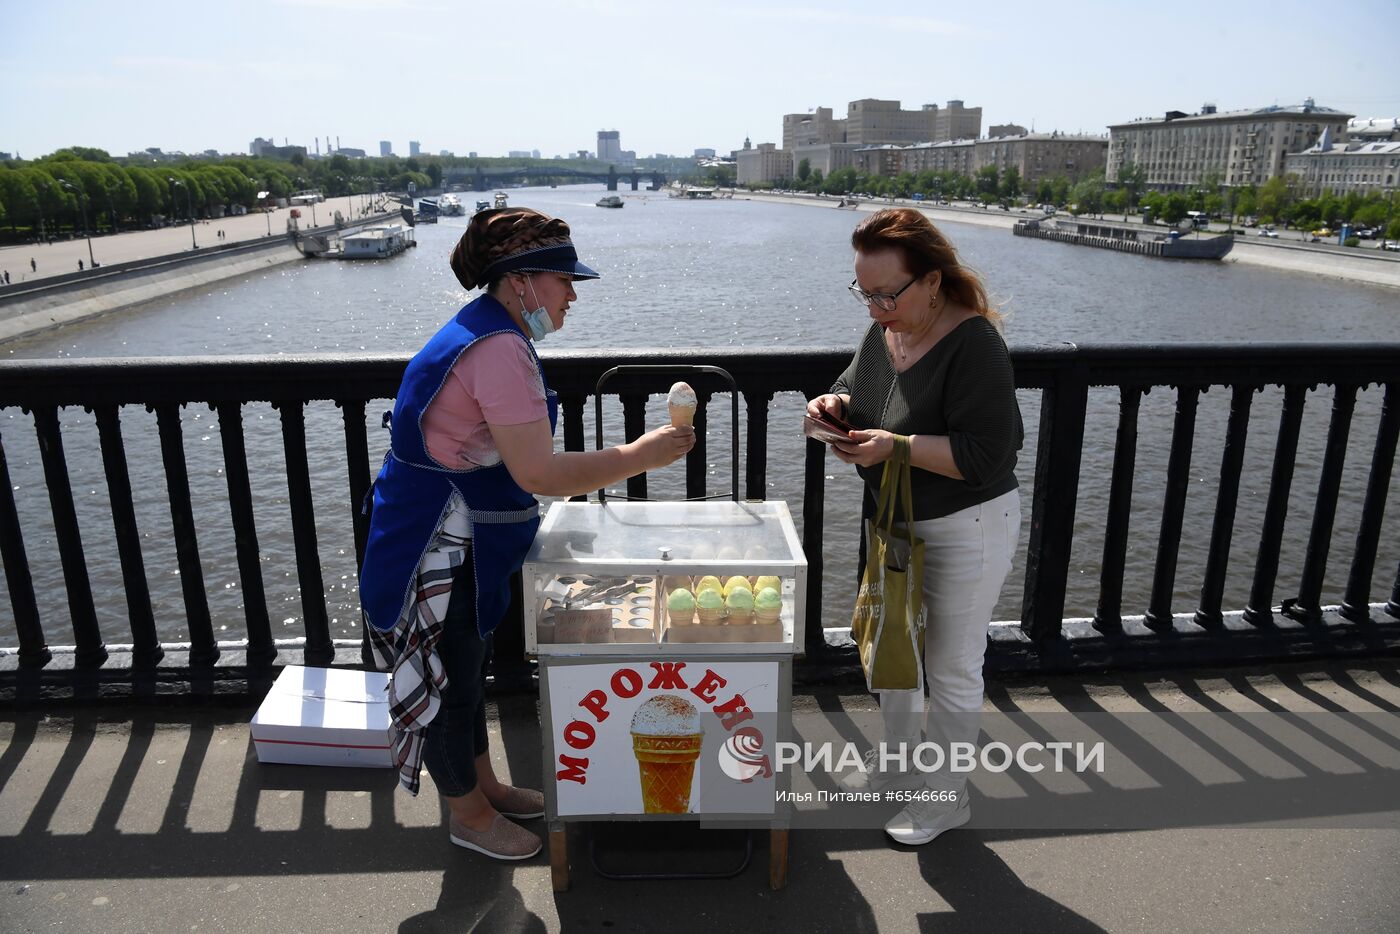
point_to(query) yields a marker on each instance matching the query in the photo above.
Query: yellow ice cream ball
(708, 582)
(737, 583)
(767, 580)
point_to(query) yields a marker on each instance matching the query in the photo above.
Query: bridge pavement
(155, 819)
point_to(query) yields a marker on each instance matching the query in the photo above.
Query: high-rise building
(413, 147)
(609, 145)
(1243, 147)
(386, 148)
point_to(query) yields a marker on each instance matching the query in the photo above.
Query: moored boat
(1144, 241)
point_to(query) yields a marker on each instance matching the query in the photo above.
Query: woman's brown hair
(499, 232)
(924, 250)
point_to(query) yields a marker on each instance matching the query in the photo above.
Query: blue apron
(412, 494)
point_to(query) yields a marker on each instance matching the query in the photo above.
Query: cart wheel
(777, 859)
(559, 859)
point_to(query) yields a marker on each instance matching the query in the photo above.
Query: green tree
(1132, 178)
(1274, 199)
(804, 170)
(987, 183)
(1011, 183)
(1175, 207)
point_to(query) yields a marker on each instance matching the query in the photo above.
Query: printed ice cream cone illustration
(666, 739)
(681, 401)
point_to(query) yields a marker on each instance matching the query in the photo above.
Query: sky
(488, 77)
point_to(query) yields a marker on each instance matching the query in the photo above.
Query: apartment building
(1358, 165)
(763, 163)
(1037, 156)
(1243, 147)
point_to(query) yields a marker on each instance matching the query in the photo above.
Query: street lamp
(82, 204)
(189, 206)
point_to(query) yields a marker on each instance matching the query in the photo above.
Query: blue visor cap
(559, 257)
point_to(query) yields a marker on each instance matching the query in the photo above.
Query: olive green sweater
(963, 388)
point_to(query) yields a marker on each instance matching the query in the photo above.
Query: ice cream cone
(666, 739)
(681, 402)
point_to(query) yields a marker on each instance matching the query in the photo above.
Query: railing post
(1307, 607)
(86, 634)
(204, 651)
(813, 535)
(1209, 615)
(695, 463)
(146, 652)
(1259, 612)
(33, 652)
(756, 460)
(318, 650)
(1108, 619)
(634, 422)
(1159, 614)
(261, 650)
(1356, 606)
(1056, 496)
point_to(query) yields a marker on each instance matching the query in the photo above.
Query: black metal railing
(1063, 376)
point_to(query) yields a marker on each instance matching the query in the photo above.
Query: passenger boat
(500, 200)
(1130, 238)
(481, 206)
(450, 206)
(609, 201)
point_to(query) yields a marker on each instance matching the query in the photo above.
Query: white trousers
(967, 556)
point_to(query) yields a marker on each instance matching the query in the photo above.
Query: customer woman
(933, 367)
(453, 512)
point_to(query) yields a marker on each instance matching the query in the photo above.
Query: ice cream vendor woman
(471, 441)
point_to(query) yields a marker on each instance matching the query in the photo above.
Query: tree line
(1277, 201)
(45, 196)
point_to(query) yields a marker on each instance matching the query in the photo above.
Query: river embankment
(142, 266)
(1370, 267)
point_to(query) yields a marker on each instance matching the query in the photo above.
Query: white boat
(376, 242)
(450, 206)
(500, 199)
(609, 201)
(482, 206)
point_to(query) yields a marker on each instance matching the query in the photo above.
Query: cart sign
(691, 736)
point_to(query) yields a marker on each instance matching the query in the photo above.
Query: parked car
(1268, 232)
(1393, 245)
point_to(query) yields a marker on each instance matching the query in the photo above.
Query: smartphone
(826, 429)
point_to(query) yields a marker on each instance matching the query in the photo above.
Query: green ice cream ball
(680, 601)
(709, 600)
(739, 599)
(768, 599)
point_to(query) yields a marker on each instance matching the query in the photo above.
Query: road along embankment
(56, 301)
(1369, 267)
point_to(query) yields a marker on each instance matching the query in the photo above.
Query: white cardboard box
(325, 716)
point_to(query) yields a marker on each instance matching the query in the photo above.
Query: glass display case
(632, 578)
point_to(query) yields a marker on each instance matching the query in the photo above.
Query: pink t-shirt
(495, 382)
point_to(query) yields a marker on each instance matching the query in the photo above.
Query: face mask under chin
(538, 323)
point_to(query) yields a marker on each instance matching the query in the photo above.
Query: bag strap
(896, 481)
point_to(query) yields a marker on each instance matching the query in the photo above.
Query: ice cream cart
(665, 634)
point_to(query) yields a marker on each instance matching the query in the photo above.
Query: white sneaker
(922, 821)
(870, 777)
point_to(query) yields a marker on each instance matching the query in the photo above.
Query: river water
(699, 275)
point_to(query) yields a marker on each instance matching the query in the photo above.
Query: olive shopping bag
(888, 622)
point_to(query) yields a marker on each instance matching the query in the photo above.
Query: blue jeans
(457, 735)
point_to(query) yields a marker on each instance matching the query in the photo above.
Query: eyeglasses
(881, 300)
